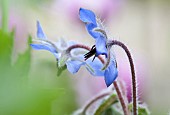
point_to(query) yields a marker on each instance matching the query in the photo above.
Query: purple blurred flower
(16, 23)
(125, 76)
(106, 8)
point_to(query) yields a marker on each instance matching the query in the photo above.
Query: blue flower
(43, 43)
(55, 48)
(110, 73)
(95, 29)
(73, 61)
(40, 33)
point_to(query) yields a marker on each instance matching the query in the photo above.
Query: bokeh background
(29, 84)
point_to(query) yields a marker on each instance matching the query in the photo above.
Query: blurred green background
(29, 84)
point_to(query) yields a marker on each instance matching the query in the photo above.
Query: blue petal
(101, 46)
(40, 33)
(74, 66)
(110, 74)
(90, 28)
(87, 16)
(43, 47)
(96, 65)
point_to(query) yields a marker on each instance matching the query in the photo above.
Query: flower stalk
(94, 100)
(134, 86)
(106, 104)
(121, 99)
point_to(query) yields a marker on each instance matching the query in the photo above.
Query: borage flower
(96, 30)
(73, 60)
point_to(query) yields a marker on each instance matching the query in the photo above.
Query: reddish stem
(134, 86)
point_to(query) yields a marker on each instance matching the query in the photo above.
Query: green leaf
(142, 109)
(20, 96)
(11, 81)
(111, 111)
(62, 60)
(60, 69)
(6, 48)
(106, 104)
(23, 62)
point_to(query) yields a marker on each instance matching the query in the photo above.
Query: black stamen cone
(91, 53)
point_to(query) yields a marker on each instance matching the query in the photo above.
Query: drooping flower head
(97, 31)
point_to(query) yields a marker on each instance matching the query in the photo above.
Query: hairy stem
(134, 87)
(106, 104)
(118, 90)
(92, 101)
(120, 96)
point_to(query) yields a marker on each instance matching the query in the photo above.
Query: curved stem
(116, 85)
(84, 47)
(122, 101)
(92, 101)
(134, 87)
(106, 104)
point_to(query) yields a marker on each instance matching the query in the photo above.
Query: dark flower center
(91, 53)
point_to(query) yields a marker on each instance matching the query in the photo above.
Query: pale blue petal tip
(40, 33)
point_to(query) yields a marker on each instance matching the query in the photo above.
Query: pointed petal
(87, 16)
(96, 65)
(46, 47)
(40, 33)
(74, 66)
(90, 27)
(101, 46)
(43, 47)
(110, 74)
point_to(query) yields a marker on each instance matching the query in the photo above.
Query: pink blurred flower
(105, 8)
(141, 74)
(16, 22)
